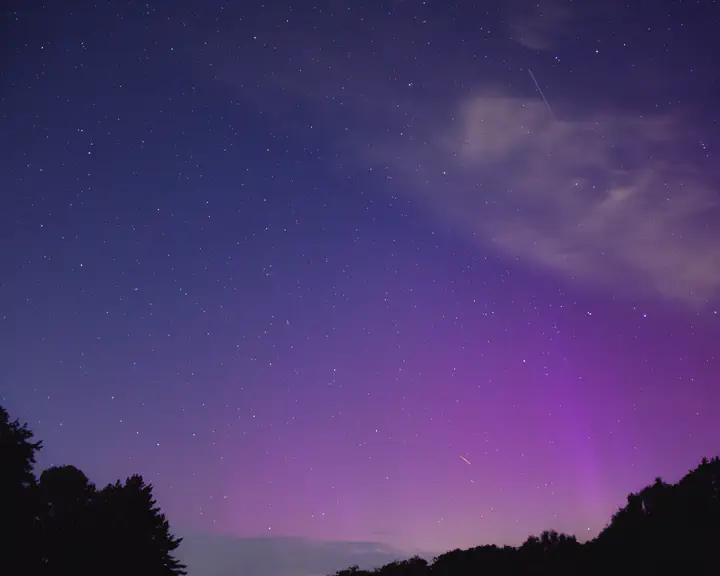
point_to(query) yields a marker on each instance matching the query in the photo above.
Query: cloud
(606, 199)
(214, 555)
(536, 24)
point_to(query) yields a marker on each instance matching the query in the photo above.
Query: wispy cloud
(608, 197)
(601, 198)
(214, 555)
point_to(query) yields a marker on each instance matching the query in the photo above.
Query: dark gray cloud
(215, 555)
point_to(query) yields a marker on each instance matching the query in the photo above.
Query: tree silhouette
(18, 525)
(63, 525)
(140, 542)
(65, 497)
(663, 529)
(414, 566)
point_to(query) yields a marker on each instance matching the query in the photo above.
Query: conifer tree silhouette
(18, 527)
(63, 525)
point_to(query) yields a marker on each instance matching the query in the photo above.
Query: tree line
(61, 524)
(663, 529)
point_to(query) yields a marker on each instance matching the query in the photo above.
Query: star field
(336, 276)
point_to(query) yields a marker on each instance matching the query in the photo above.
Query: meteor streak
(465, 460)
(541, 93)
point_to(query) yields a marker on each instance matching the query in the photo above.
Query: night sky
(343, 282)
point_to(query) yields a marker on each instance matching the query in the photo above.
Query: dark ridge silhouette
(61, 524)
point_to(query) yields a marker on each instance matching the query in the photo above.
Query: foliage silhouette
(64, 497)
(18, 527)
(62, 524)
(663, 529)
